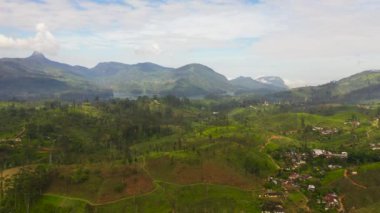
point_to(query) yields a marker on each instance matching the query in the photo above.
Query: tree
(25, 188)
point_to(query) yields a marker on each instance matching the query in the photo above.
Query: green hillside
(171, 154)
(361, 87)
(38, 78)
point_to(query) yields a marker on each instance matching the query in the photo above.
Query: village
(301, 173)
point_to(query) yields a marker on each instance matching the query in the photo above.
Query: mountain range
(37, 77)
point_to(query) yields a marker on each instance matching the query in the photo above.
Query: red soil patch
(9, 173)
(210, 172)
(135, 182)
(206, 172)
(105, 183)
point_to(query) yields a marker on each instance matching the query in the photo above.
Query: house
(331, 201)
(305, 177)
(329, 131)
(272, 207)
(294, 176)
(273, 194)
(344, 155)
(318, 152)
(327, 154)
(325, 131)
(334, 166)
(375, 146)
(353, 123)
(273, 180)
(341, 155)
(311, 188)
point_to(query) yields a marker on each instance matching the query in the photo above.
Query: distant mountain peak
(37, 55)
(195, 67)
(244, 78)
(272, 80)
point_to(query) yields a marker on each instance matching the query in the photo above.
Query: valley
(172, 154)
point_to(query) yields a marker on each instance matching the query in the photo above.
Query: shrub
(80, 175)
(119, 188)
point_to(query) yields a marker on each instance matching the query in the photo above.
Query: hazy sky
(303, 41)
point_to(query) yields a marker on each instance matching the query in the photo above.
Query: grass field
(358, 197)
(332, 176)
(100, 183)
(200, 163)
(166, 198)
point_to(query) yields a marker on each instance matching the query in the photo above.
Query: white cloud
(295, 83)
(148, 50)
(296, 39)
(43, 41)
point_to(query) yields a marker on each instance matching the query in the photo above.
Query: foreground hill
(177, 155)
(361, 87)
(36, 77)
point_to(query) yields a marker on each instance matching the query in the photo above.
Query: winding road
(352, 181)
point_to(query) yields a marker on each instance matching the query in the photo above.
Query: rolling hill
(361, 87)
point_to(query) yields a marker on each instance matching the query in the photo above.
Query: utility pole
(1, 184)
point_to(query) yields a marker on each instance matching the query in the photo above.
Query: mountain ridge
(359, 87)
(124, 80)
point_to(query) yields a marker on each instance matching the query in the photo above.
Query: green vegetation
(332, 177)
(175, 154)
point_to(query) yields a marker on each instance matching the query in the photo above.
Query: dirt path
(16, 138)
(157, 184)
(8, 173)
(352, 181)
(341, 206)
(273, 137)
(21, 133)
(306, 206)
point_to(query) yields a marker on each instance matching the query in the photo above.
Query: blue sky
(306, 42)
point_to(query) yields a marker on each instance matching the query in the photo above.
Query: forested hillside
(173, 154)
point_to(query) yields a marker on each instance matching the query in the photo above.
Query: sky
(306, 42)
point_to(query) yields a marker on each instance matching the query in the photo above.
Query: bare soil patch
(205, 172)
(104, 183)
